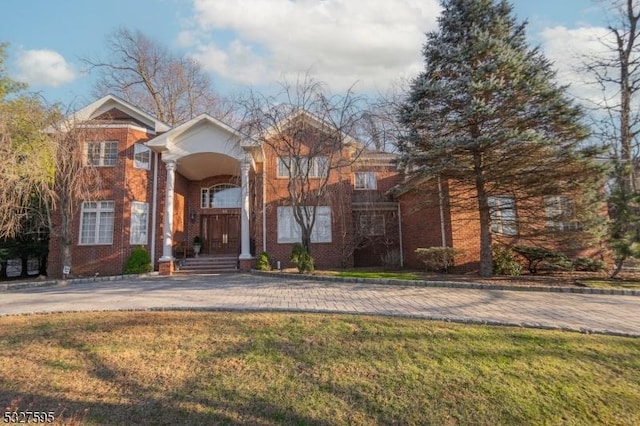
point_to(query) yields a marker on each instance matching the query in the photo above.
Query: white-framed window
(313, 167)
(139, 223)
(96, 222)
(365, 180)
(503, 215)
(289, 230)
(561, 213)
(283, 167)
(222, 196)
(372, 225)
(102, 153)
(141, 156)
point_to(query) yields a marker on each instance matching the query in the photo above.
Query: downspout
(154, 201)
(441, 205)
(264, 209)
(400, 237)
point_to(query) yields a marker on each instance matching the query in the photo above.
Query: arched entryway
(196, 151)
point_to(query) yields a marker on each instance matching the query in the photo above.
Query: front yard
(570, 278)
(268, 368)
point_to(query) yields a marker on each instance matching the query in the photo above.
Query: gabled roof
(170, 136)
(108, 103)
(309, 118)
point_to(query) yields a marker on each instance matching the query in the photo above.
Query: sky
(245, 44)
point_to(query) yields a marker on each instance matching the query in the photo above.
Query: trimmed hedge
(139, 262)
(437, 259)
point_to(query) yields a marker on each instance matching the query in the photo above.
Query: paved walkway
(612, 314)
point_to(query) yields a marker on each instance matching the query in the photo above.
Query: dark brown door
(221, 233)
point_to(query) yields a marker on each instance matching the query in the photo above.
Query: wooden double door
(220, 233)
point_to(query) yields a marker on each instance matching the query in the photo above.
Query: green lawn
(380, 274)
(270, 368)
(610, 283)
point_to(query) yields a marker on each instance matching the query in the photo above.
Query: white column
(167, 248)
(245, 250)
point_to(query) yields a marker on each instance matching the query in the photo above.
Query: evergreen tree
(486, 112)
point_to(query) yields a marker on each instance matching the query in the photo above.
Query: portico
(206, 190)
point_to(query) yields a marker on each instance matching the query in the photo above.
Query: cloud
(570, 50)
(44, 68)
(338, 41)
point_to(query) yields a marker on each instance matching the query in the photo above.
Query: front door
(221, 233)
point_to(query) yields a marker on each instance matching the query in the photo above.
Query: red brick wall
(326, 255)
(420, 222)
(120, 183)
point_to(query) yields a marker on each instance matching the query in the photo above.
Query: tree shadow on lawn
(309, 346)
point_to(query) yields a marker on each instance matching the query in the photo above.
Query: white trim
(368, 180)
(141, 148)
(154, 203)
(102, 144)
(401, 243)
(502, 210)
(108, 102)
(144, 211)
(99, 210)
(264, 210)
(286, 224)
(116, 126)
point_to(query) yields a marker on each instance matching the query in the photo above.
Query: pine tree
(487, 112)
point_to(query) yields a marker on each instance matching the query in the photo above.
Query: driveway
(611, 314)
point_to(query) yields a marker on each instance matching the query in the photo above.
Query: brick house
(162, 187)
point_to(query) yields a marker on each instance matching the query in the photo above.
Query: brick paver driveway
(584, 312)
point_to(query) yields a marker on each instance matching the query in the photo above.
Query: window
(96, 222)
(289, 230)
(102, 153)
(365, 180)
(224, 196)
(372, 225)
(503, 215)
(139, 223)
(141, 156)
(314, 167)
(283, 166)
(561, 213)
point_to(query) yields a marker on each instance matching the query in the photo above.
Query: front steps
(206, 265)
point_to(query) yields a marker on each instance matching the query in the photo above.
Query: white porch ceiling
(202, 165)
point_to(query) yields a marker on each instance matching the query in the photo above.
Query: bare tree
(308, 131)
(75, 180)
(141, 71)
(617, 121)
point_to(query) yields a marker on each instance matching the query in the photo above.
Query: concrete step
(208, 264)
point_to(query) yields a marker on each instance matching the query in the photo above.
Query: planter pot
(196, 249)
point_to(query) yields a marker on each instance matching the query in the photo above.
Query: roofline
(273, 130)
(85, 114)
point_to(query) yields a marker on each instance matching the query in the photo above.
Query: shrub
(536, 255)
(436, 259)
(264, 262)
(301, 257)
(138, 262)
(588, 264)
(391, 260)
(504, 263)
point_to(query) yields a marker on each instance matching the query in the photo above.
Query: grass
(379, 274)
(610, 283)
(269, 368)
